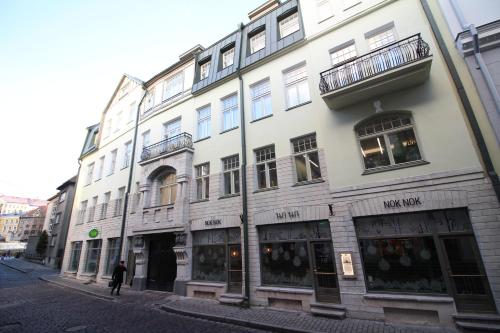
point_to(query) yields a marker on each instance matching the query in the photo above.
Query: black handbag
(110, 283)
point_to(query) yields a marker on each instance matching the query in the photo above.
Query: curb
(81, 290)
(15, 268)
(234, 321)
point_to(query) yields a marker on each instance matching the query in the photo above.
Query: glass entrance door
(467, 277)
(325, 275)
(234, 269)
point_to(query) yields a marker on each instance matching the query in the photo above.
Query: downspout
(479, 58)
(130, 175)
(244, 217)
(465, 101)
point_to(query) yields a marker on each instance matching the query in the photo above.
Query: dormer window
(204, 69)
(258, 41)
(228, 58)
(289, 24)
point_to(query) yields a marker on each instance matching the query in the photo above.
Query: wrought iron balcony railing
(177, 142)
(384, 59)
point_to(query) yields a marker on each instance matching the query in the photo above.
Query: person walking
(118, 277)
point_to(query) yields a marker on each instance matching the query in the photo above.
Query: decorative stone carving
(180, 239)
(181, 255)
(138, 243)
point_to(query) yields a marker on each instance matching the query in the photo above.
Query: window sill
(266, 189)
(395, 167)
(229, 130)
(309, 182)
(298, 105)
(229, 196)
(261, 118)
(88, 274)
(109, 174)
(202, 139)
(124, 167)
(325, 19)
(160, 206)
(95, 181)
(351, 6)
(206, 284)
(198, 201)
(288, 290)
(409, 298)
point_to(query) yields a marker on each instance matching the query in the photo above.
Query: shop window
(112, 255)
(93, 255)
(388, 140)
(74, 260)
(305, 151)
(284, 252)
(210, 251)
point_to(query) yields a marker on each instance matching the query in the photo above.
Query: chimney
(263, 9)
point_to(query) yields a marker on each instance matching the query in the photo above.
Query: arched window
(388, 140)
(168, 189)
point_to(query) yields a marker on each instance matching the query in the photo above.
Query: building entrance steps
(336, 311)
(472, 323)
(232, 299)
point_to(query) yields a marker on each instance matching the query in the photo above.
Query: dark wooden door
(162, 265)
(324, 272)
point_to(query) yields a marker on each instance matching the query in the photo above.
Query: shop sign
(93, 233)
(284, 215)
(213, 222)
(409, 202)
(347, 265)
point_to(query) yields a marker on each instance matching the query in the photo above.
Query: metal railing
(384, 59)
(177, 142)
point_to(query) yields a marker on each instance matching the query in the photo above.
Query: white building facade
(315, 159)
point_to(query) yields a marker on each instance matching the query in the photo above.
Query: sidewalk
(255, 317)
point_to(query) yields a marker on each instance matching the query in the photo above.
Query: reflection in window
(168, 189)
(306, 158)
(93, 254)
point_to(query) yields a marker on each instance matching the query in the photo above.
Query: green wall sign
(93, 233)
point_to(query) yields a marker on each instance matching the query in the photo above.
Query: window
(230, 112)
(146, 139)
(172, 128)
(92, 209)
(289, 25)
(62, 196)
(204, 122)
(305, 151)
(127, 154)
(104, 206)
(150, 100)
(261, 99)
(228, 58)
(168, 189)
(90, 172)
(112, 162)
(296, 86)
(258, 41)
(112, 255)
(324, 9)
(381, 39)
(124, 90)
(81, 212)
(388, 140)
(107, 129)
(343, 54)
(265, 159)
(93, 254)
(100, 168)
(174, 86)
(131, 112)
(350, 72)
(202, 181)
(204, 69)
(231, 175)
(118, 122)
(74, 259)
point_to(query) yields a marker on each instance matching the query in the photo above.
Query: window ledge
(198, 201)
(298, 105)
(159, 206)
(261, 118)
(229, 196)
(207, 284)
(202, 139)
(395, 167)
(124, 167)
(285, 290)
(88, 274)
(409, 298)
(266, 189)
(309, 182)
(229, 130)
(351, 6)
(98, 179)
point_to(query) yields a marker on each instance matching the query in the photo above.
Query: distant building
(8, 225)
(30, 224)
(18, 205)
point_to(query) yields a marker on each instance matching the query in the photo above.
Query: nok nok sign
(406, 202)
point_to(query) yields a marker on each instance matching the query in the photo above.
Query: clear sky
(60, 61)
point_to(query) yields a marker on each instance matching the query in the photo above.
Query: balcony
(168, 146)
(396, 66)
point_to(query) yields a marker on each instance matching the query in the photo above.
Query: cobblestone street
(28, 305)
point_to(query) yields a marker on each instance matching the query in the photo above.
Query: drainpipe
(479, 58)
(488, 164)
(130, 175)
(244, 217)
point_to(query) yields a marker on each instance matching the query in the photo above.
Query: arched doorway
(162, 267)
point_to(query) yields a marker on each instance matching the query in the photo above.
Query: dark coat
(118, 273)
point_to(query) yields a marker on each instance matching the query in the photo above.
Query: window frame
(100, 169)
(234, 173)
(234, 111)
(261, 98)
(285, 19)
(207, 120)
(320, 9)
(171, 83)
(295, 83)
(90, 173)
(98, 250)
(170, 187)
(112, 162)
(108, 270)
(75, 247)
(230, 51)
(204, 179)
(253, 40)
(267, 168)
(305, 153)
(82, 211)
(127, 154)
(205, 66)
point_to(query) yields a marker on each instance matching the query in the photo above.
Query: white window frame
(146, 138)
(259, 95)
(382, 38)
(306, 152)
(289, 24)
(90, 173)
(294, 79)
(91, 214)
(131, 112)
(112, 162)
(104, 205)
(203, 122)
(258, 41)
(231, 166)
(119, 201)
(108, 127)
(82, 211)
(100, 169)
(324, 10)
(228, 57)
(205, 69)
(149, 101)
(232, 110)
(127, 154)
(265, 156)
(172, 128)
(118, 122)
(202, 177)
(173, 86)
